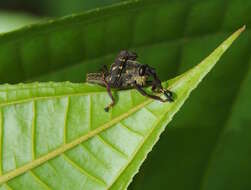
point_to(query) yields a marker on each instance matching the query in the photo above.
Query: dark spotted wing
(118, 67)
(115, 73)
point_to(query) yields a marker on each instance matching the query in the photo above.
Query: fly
(126, 73)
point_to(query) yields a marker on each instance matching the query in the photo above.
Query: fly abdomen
(95, 78)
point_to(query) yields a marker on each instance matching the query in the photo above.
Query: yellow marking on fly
(120, 67)
(121, 59)
(141, 80)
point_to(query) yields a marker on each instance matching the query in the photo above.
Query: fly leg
(156, 85)
(104, 70)
(108, 88)
(144, 93)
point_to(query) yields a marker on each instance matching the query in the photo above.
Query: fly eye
(142, 70)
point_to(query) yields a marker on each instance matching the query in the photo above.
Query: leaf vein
(131, 130)
(138, 148)
(83, 171)
(151, 112)
(115, 149)
(93, 156)
(39, 180)
(65, 147)
(65, 119)
(33, 133)
(52, 167)
(47, 97)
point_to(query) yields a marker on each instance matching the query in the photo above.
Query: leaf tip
(225, 45)
(239, 31)
(242, 28)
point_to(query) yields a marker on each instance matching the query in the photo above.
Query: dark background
(53, 8)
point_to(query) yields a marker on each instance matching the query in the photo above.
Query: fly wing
(115, 73)
(118, 67)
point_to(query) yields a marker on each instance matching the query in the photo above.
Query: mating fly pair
(126, 73)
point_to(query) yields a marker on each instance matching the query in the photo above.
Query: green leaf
(57, 135)
(184, 33)
(65, 7)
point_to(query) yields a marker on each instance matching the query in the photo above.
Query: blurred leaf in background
(11, 21)
(54, 8)
(50, 8)
(208, 144)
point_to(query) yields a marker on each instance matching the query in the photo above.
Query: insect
(126, 73)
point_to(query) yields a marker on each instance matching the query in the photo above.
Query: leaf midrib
(68, 146)
(184, 95)
(138, 148)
